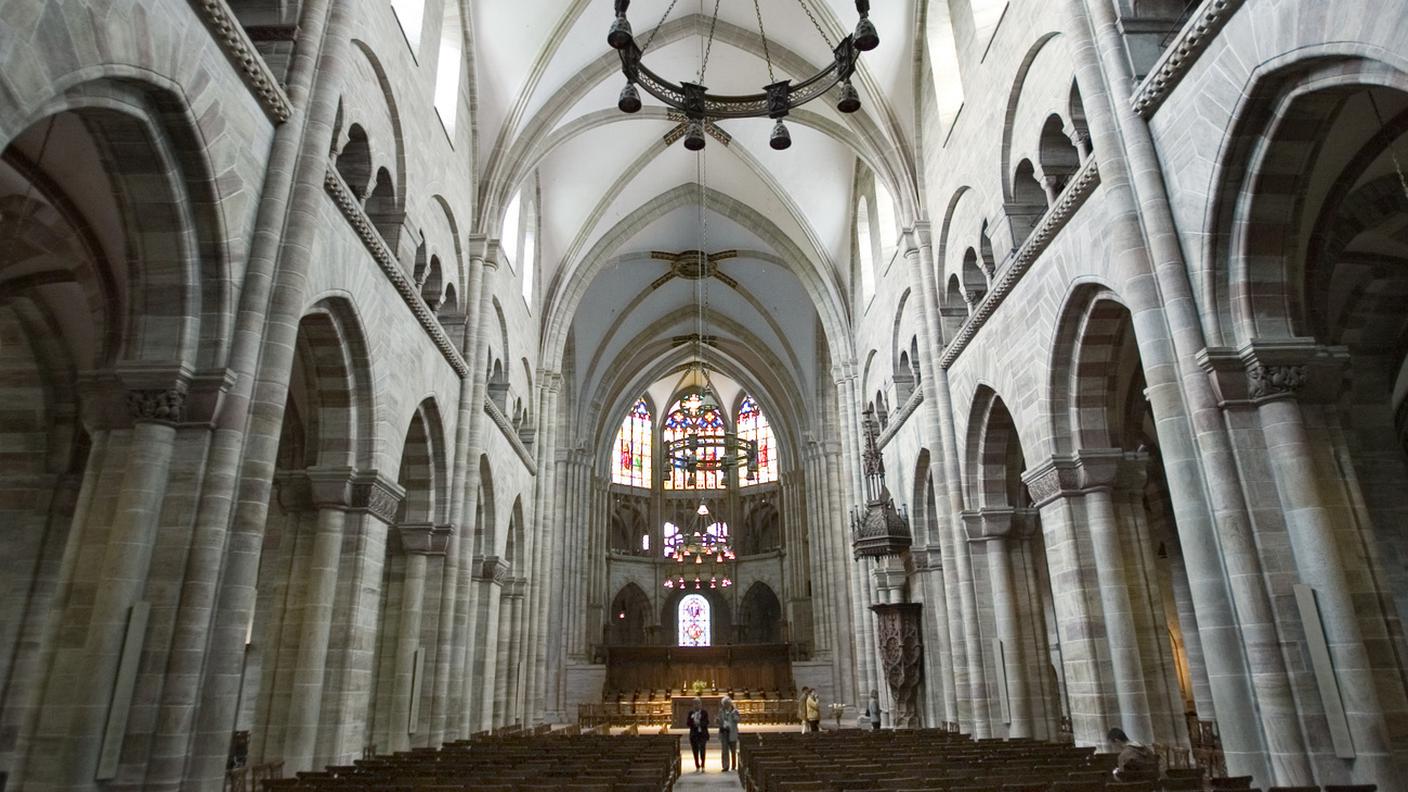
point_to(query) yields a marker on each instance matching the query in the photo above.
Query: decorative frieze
(898, 418)
(1180, 55)
(1082, 185)
(511, 435)
(239, 48)
(352, 210)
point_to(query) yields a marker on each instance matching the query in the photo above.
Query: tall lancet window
(690, 417)
(633, 447)
(753, 425)
(694, 621)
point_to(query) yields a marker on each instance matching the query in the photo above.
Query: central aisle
(713, 777)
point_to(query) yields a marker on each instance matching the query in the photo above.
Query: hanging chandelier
(779, 97)
(705, 553)
(709, 452)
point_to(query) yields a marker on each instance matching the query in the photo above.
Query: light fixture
(779, 97)
(714, 452)
(700, 545)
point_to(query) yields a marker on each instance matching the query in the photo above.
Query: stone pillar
(1055, 487)
(1280, 379)
(420, 541)
(489, 579)
(929, 566)
(900, 637)
(994, 526)
(121, 539)
(331, 494)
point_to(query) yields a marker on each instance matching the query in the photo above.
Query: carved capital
(425, 538)
(1261, 371)
(1074, 474)
(490, 569)
(985, 525)
(351, 490)
(378, 496)
(157, 405)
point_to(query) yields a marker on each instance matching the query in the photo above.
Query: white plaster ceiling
(546, 89)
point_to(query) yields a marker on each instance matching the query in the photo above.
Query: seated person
(1136, 762)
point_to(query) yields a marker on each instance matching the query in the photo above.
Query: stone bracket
(1263, 370)
(425, 538)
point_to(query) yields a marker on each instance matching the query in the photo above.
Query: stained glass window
(753, 425)
(689, 417)
(672, 537)
(633, 448)
(694, 621)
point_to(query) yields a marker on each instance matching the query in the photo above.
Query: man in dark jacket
(698, 733)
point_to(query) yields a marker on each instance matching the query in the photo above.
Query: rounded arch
(423, 471)
(145, 218)
(1257, 221)
(515, 539)
(332, 381)
(1094, 358)
(485, 513)
(995, 461)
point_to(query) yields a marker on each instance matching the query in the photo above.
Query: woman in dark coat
(698, 733)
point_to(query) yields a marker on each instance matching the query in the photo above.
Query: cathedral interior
(384, 375)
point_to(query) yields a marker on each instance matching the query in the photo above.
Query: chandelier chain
(657, 27)
(709, 43)
(763, 34)
(816, 23)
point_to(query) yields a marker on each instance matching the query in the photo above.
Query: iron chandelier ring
(776, 100)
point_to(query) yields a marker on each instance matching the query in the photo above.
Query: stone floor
(713, 777)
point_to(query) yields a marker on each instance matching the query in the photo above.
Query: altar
(681, 705)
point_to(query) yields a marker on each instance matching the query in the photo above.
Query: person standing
(802, 707)
(699, 733)
(728, 733)
(872, 711)
(813, 712)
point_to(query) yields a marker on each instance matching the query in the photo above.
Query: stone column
(420, 541)
(331, 494)
(994, 526)
(929, 566)
(1188, 625)
(121, 539)
(1056, 487)
(969, 679)
(491, 577)
(1121, 635)
(1261, 730)
(1280, 378)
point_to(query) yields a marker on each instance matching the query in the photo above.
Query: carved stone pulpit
(902, 658)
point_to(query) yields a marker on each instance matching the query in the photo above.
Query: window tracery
(691, 417)
(633, 446)
(694, 619)
(753, 425)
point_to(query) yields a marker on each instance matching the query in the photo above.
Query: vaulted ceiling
(615, 194)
